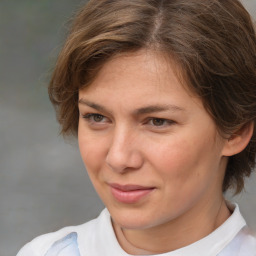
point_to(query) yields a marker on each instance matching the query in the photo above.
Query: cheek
(186, 172)
(185, 163)
(92, 152)
(172, 158)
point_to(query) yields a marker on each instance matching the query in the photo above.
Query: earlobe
(238, 141)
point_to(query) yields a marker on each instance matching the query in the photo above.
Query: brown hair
(212, 41)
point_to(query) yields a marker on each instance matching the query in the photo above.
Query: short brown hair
(212, 41)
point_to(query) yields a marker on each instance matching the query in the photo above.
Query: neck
(178, 233)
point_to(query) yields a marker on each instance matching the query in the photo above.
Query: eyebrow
(158, 108)
(93, 105)
(140, 111)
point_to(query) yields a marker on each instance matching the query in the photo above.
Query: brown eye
(158, 121)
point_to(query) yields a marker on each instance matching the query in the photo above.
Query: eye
(97, 118)
(160, 122)
(94, 118)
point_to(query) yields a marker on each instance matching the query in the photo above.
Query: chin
(132, 219)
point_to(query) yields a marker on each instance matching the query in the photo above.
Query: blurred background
(43, 183)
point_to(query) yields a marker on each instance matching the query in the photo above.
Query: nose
(124, 152)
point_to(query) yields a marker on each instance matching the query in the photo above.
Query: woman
(162, 96)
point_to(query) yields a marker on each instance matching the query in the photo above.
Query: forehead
(144, 66)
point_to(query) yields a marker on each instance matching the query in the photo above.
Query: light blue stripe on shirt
(65, 247)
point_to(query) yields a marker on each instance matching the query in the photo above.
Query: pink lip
(129, 194)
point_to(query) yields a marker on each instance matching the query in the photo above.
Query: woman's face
(151, 150)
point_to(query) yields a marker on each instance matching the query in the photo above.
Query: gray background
(43, 183)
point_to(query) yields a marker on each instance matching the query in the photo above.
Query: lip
(129, 193)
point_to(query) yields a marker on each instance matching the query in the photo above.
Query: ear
(238, 141)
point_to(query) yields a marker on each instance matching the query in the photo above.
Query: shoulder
(248, 242)
(45, 244)
(244, 244)
(63, 242)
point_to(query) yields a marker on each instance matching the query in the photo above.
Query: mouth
(130, 194)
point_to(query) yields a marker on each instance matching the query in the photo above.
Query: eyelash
(90, 117)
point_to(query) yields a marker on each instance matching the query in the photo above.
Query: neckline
(106, 243)
(213, 244)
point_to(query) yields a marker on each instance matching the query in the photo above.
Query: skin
(138, 125)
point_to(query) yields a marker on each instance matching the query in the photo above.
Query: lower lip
(130, 197)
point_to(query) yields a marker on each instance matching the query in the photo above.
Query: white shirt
(97, 238)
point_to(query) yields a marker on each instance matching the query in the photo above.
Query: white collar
(210, 245)
(215, 242)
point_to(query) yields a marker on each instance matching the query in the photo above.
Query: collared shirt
(97, 238)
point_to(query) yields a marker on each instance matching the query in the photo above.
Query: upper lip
(129, 187)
